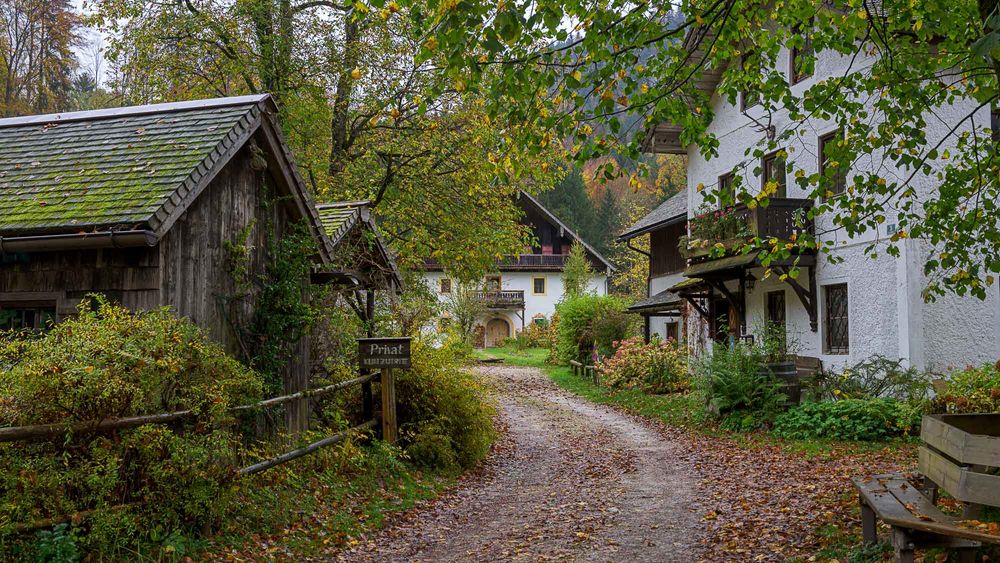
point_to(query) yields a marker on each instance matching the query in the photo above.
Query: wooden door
(497, 330)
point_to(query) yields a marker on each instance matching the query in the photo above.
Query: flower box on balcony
(782, 219)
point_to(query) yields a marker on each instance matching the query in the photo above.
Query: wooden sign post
(386, 354)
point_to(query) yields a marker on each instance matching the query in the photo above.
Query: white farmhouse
(525, 288)
(839, 313)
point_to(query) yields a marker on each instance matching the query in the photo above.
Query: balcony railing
(533, 261)
(501, 299)
(524, 262)
(781, 219)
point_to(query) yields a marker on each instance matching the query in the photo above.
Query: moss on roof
(79, 173)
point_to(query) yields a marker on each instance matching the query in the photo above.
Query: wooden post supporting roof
(808, 297)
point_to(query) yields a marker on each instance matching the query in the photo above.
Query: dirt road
(571, 481)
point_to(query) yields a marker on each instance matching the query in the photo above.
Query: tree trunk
(339, 127)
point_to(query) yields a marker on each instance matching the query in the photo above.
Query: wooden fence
(387, 417)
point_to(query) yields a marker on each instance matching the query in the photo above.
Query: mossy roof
(341, 217)
(338, 217)
(109, 169)
(662, 301)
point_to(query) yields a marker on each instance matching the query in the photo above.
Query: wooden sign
(384, 353)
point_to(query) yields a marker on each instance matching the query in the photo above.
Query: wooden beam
(704, 314)
(389, 428)
(734, 300)
(808, 297)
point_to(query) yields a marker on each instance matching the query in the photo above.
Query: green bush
(873, 378)
(731, 381)
(444, 411)
(971, 390)
(850, 419)
(588, 321)
(657, 367)
(107, 363)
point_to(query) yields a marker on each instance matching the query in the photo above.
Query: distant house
(525, 288)
(839, 313)
(663, 311)
(141, 203)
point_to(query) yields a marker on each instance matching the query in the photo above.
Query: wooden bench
(915, 521)
(588, 372)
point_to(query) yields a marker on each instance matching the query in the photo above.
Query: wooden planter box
(694, 253)
(958, 447)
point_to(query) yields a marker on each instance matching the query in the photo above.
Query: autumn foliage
(108, 363)
(658, 367)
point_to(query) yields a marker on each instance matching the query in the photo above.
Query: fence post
(389, 429)
(367, 404)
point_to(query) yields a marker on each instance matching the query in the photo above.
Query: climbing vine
(280, 313)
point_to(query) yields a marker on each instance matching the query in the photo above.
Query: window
(802, 61)
(673, 331)
(835, 309)
(774, 170)
(445, 286)
(727, 189)
(776, 307)
(30, 315)
(538, 286)
(829, 167)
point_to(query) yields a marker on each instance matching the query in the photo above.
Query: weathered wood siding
(127, 275)
(196, 269)
(188, 270)
(665, 257)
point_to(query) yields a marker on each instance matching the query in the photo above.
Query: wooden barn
(145, 204)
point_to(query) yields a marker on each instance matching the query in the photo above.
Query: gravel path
(570, 481)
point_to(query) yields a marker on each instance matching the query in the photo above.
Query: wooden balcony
(533, 262)
(501, 299)
(522, 263)
(781, 219)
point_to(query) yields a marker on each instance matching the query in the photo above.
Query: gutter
(78, 241)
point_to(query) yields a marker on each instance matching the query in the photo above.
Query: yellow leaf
(356, 73)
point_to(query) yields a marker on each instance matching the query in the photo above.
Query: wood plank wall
(189, 269)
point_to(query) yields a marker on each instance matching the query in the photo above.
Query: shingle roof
(104, 169)
(662, 300)
(671, 211)
(339, 218)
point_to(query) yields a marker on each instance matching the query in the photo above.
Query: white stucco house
(840, 313)
(524, 288)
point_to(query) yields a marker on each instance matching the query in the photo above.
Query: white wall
(658, 325)
(535, 305)
(887, 313)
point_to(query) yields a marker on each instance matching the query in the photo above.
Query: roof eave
(629, 235)
(150, 109)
